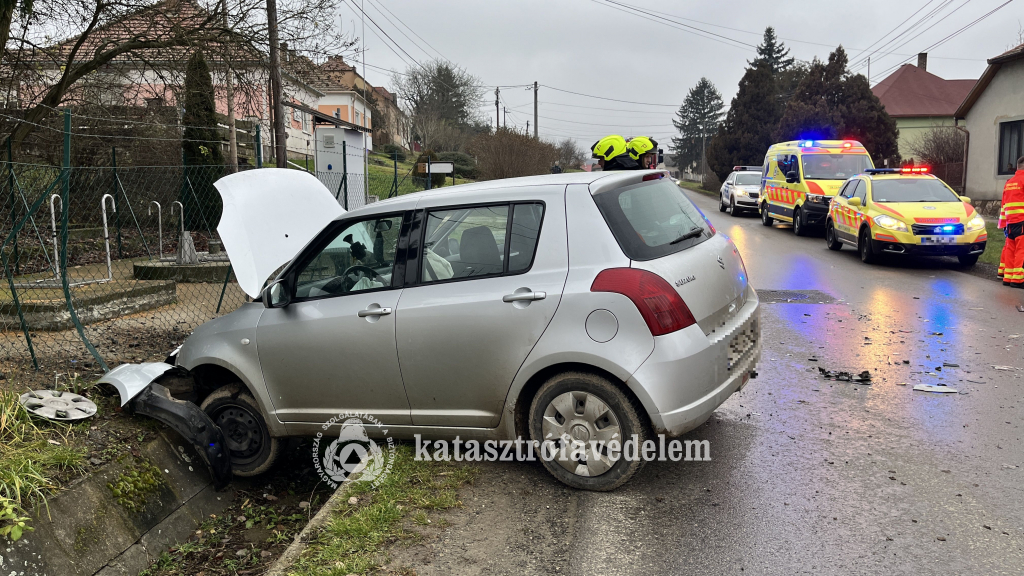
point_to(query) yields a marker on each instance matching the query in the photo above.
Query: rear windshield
(834, 166)
(649, 219)
(911, 190)
(748, 178)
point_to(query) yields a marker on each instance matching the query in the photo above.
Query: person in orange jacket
(1011, 221)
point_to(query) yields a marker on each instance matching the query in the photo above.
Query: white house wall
(1002, 101)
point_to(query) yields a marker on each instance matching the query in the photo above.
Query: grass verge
(355, 539)
(32, 454)
(994, 247)
(695, 186)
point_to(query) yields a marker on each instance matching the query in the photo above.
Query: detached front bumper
(685, 387)
(141, 393)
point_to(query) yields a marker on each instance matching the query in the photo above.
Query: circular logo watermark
(353, 451)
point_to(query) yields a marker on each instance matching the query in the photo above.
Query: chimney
(291, 55)
(922, 61)
(284, 51)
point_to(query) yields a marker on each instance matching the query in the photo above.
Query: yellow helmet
(609, 147)
(641, 145)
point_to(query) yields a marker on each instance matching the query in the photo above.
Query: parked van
(801, 177)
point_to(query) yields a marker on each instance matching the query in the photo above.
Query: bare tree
(53, 48)
(941, 145)
(570, 155)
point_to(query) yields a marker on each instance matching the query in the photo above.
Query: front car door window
(360, 257)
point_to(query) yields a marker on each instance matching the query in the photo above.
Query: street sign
(437, 167)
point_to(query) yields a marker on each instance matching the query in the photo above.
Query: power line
(927, 29)
(610, 99)
(951, 36)
(381, 5)
(650, 16)
(857, 60)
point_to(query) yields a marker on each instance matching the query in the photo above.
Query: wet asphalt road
(808, 476)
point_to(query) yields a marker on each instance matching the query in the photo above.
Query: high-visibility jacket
(1012, 210)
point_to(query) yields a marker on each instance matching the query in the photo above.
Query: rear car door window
(475, 241)
(360, 257)
(862, 191)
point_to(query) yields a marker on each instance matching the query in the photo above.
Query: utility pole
(280, 138)
(869, 71)
(528, 128)
(703, 159)
(504, 119)
(230, 94)
(497, 109)
(534, 112)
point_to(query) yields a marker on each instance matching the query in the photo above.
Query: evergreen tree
(697, 121)
(773, 53)
(747, 132)
(201, 149)
(830, 103)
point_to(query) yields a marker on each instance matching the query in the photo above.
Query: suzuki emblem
(721, 262)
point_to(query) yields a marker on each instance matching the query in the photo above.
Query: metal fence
(112, 264)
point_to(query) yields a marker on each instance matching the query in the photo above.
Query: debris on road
(1005, 368)
(950, 365)
(863, 377)
(941, 389)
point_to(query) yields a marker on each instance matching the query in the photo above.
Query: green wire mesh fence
(110, 264)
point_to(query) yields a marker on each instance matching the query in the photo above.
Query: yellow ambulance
(801, 177)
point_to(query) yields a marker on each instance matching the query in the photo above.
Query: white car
(740, 190)
(569, 307)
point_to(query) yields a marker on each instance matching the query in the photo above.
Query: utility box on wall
(339, 151)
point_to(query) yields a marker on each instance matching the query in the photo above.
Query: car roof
(495, 189)
(900, 176)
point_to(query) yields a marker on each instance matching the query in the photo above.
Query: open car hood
(269, 215)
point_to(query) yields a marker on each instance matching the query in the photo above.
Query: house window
(1011, 146)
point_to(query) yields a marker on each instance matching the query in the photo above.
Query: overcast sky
(591, 47)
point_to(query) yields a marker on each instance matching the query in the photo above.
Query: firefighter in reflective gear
(612, 154)
(1011, 220)
(644, 150)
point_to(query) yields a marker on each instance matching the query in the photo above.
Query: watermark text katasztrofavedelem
(662, 449)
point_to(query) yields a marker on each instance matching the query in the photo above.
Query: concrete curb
(291, 554)
(84, 531)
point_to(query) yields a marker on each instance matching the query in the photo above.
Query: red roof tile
(911, 91)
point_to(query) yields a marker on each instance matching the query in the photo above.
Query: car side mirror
(855, 202)
(277, 295)
(792, 177)
(965, 199)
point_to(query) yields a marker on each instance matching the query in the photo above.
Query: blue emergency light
(808, 144)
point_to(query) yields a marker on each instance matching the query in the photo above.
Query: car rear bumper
(689, 375)
(913, 249)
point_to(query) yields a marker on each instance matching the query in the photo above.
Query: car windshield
(834, 166)
(748, 178)
(912, 190)
(650, 219)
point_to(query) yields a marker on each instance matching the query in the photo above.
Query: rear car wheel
(766, 218)
(253, 451)
(831, 240)
(582, 408)
(867, 253)
(799, 228)
(968, 259)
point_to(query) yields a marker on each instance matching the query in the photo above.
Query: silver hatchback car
(584, 305)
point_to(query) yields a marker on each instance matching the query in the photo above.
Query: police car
(904, 211)
(740, 190)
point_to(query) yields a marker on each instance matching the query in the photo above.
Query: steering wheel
(345, 282)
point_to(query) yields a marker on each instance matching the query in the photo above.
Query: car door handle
(524, 296)
(374, 312)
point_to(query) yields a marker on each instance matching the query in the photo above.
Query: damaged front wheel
(253, 450)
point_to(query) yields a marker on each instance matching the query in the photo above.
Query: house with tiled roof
(920, 101)
(993, 115)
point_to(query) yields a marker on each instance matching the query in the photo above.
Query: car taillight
(658, 303)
